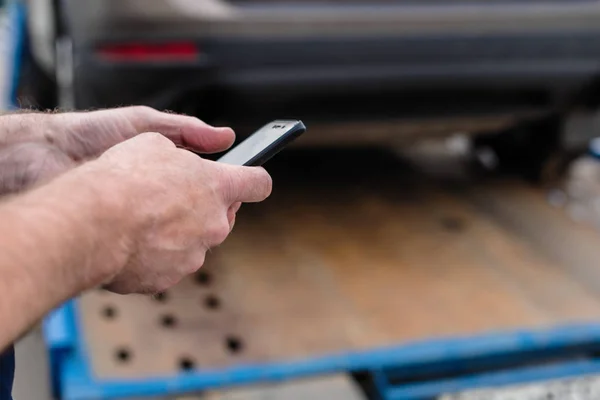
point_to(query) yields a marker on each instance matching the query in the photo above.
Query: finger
(185, 131)
(245, 184)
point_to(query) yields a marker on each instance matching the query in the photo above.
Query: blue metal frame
(16, 20)
(73, 378)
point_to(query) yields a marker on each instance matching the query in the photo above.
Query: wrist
(112, 223)
(87, 209)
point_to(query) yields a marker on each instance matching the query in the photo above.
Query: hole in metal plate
(168, 320)
(202, 278)
(234, 344)
(212, 302)
(123, 355)
(109, 312)
(187, 364)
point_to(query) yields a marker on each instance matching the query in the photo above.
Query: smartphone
(263, 144)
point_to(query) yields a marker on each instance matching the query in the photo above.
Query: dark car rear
(416, 67)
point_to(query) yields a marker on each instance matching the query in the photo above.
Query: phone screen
(259, 142)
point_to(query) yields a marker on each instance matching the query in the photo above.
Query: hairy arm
(56, 241)
(140, 216)
(26, 126)
(84, 135)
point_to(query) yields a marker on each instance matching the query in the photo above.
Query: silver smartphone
(263, 144)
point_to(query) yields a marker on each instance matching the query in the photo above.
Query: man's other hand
(87, 134)
(36, 147)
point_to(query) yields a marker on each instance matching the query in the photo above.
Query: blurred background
(434, 234)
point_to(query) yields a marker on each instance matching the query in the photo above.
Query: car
(362, 71)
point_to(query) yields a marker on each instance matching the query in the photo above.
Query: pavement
(32, 374)
(587, 388)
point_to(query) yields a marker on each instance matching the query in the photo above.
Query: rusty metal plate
(344, 257)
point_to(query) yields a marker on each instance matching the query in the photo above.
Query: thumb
(245, 184)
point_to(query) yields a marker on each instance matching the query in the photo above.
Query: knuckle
(154, 136)
(219, 232)
(142, 110)
(190, 157)
(196, 263)
(156, 139)
(165, 281)
(225, 183)
(161, 286)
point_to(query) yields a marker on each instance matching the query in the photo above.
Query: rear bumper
(363, 77)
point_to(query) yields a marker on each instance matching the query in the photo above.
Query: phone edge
(268, 153)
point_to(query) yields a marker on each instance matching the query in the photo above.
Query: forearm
(55, 242)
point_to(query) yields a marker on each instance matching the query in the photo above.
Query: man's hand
(177, 207)
(138, 218)
(85, 135)
(38, 146)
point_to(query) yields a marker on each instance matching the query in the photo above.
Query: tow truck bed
(350, 257)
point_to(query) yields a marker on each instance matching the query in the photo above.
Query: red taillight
(173, 51)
